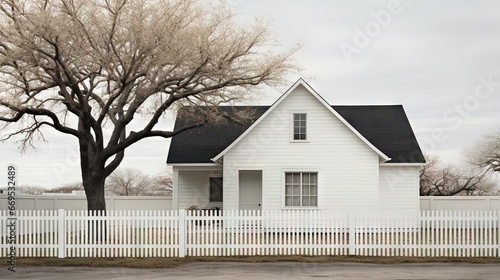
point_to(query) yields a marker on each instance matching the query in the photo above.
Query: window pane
(292, 201)
(305, 190)
(292, 178)
(313, 190)
(305, 178)
(313, 201)
(305, 201)
(215, 190)
(314, 178)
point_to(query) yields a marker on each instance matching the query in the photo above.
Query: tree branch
(20, 112)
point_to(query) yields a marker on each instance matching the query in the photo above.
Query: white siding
(193, 189)
(399, 187)
(348, 174)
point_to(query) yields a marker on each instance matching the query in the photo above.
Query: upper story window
(299, 126)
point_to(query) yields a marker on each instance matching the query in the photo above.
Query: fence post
(352, 233)
(498, 233)
(61, 226)
(182, 233)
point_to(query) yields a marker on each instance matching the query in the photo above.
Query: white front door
(250, 189)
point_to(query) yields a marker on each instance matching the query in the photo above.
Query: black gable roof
(386, 127)
(201, 144)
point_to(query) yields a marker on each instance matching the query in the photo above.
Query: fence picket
(119, 233)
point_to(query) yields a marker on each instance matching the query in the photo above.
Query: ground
(267, 270)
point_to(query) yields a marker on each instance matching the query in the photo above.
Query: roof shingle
(385, 126)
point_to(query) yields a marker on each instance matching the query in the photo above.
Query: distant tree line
(477, 176)
(122, 182)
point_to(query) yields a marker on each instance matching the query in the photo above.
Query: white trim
(417, 190)
(198, 167)
(175, 190)
(401, 164)
(300, 81)
(193, 164)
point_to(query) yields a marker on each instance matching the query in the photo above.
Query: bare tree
(67, 188)
(37, 190)
(86, 68)
(437, 179)
(485, 153)
(162, 185)
(130, 182)
(30, 189)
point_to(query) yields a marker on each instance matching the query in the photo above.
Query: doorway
(250, 182)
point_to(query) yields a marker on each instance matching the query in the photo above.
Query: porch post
(175, 189)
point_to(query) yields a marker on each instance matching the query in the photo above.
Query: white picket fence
(75, 233)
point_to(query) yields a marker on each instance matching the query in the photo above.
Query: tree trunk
(94, 190)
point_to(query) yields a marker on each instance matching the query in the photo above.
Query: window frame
(301, 206)
(210, 189)
(292, 127)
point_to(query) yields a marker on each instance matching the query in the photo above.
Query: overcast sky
(439, 59)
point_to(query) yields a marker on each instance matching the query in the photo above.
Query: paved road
(262, 271)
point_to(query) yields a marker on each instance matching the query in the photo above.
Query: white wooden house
(300, 153)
